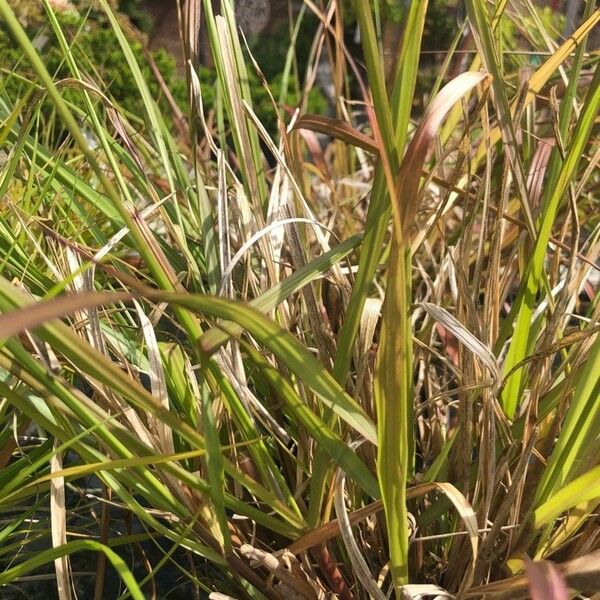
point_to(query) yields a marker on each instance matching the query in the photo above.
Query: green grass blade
(532, 280)
(46, 556)
(378, 215)
(337, 450)
(579, 431)
(283, 345)
(581, 490)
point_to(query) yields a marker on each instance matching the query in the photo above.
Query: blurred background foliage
(96, 47)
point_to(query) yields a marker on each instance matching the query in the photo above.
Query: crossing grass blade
(580, 429)
(394, 372)
(283, 345)
(579, 492)
(378, 215)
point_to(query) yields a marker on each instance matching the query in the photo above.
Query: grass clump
(268, 368)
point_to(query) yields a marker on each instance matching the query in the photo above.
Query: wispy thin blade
(58, 526)
(476, 346)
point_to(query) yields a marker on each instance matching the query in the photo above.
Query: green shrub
(96, 49)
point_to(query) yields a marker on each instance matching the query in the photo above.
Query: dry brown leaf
(409, 176)
(338, 129)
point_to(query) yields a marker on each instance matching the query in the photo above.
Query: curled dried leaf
(477, 347)
(338, 129)
(418, 150)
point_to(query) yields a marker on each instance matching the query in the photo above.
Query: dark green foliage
(136, 13)
(440, 26)
(96, 49)
(270, 50)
